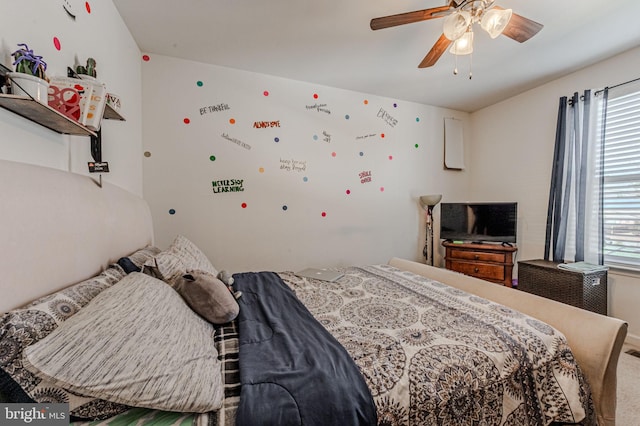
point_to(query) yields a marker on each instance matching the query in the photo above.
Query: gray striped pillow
(136, 343)
(181, 257)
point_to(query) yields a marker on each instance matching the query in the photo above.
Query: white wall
(512, 152)
(366, 226)
(97, 32)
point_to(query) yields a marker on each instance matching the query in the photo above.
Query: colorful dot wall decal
(200, 84)
(315, 137)
(417, 119)
(366, 102)
(346, 117)
(212, 158)
(87, 6)
(186, 121)
(147, 154)
(244, 205)
(266, 93)
(172, 211)
(305, 179)
(261, 169)
(416, 145)
(395, 105)
(361, 154)
(382, 135)
(285, 208)
(276, 140)
(324, 214)
(348, 191)
(382, 189)
(391, 157)
(145, 58)
(315, 96)
(333, 154)
(56, 43)
(232, 121)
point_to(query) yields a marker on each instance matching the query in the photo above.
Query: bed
(400, 343)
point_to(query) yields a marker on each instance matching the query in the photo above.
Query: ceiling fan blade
(436, 51)
(408, 17)
(520, 28)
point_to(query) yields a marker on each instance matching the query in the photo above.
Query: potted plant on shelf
(30, 78)
(89, 70)
(94, 103)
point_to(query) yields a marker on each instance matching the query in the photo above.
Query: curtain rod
(617, 85)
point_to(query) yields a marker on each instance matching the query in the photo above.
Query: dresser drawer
(490, 262)
(479, 270)
(481, 256)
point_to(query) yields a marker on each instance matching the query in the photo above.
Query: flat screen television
(479, 222)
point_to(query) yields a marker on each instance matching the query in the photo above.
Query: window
(621, 204)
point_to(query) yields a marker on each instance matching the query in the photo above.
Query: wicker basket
(544, 278)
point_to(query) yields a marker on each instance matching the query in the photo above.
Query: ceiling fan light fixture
(459, 16)
(463, 45)
(494, 21)
(456, 24)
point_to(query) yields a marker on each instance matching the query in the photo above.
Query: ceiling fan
(460, 15)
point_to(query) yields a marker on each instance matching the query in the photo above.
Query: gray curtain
(574, 215)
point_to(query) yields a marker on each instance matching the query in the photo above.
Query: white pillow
(136, 343)
(181, 257)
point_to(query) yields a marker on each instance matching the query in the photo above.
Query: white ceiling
(329, 42)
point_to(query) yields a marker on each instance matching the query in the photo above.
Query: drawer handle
(476, 270)
(476, 257)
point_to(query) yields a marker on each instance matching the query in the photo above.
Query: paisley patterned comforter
(430, 355)
(435, 355)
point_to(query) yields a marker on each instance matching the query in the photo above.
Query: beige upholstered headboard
(58, 228)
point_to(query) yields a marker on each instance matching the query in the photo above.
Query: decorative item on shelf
(68, 96)
(96, 99)
(3, 78)
(30, 78)
(113, 101)
(428, 202)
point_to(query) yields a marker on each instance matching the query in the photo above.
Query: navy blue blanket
(293, 372)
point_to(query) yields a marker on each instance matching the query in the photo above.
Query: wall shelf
(111, 114)
(50, 118)
(43, 115)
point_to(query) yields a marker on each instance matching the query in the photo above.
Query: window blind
(621, 204)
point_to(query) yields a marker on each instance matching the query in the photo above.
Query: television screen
(479, 222)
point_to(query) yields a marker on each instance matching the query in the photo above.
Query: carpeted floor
(628, 403)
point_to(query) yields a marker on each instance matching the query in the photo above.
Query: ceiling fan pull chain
(470, 66)
(455, 68)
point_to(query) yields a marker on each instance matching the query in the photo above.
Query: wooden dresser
(491, 262)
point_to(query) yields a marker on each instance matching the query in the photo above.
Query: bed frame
(595, 340)
(59, 228)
